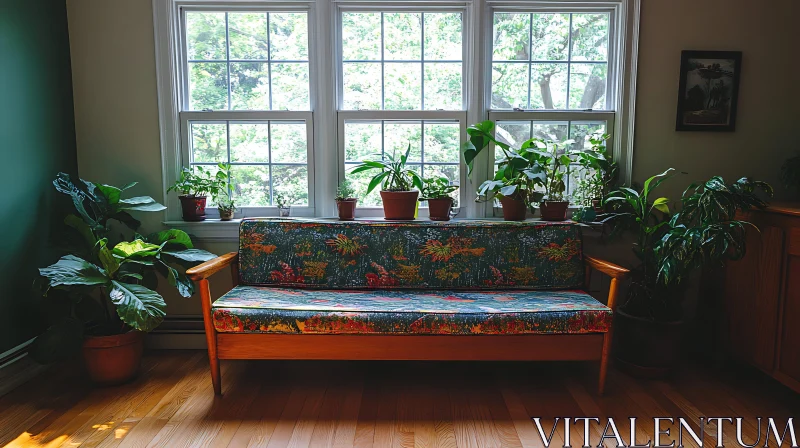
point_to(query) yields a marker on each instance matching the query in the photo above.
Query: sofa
(376, 290)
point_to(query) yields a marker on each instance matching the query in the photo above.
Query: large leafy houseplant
(397, 182)
(106, 284)
(671, 245)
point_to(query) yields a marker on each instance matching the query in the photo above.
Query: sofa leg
(211, 336)
(604, 363)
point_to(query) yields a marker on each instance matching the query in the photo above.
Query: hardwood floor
(368, 404)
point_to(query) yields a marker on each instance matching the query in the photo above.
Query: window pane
(289, 142)
(509, 86)
(511, 37)
(205, 35)
(443, 86)
(362, 141)
(292, 182)
(249, 86)
(290, 86)
(442, 142)
(550, 35)
(288, 34)
(248, 34)
(588, 86)
(250, 142)
(250, 185)
(590, 37)
(511, 133)
(398, 136)
(556, 131)
(361, 36)
(403, 86)
(443, 33)
(362, 86)
(208, 86)
(209, 143)
(402, 36)
(548, 86)
(580, 131)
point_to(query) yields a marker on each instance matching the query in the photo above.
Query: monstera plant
(102, 293)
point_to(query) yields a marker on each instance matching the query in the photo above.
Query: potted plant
(669, 247)
(102, 293)
(194, 186)
(346, 201)
(226, 207)
(437, 192)
(555, 160)
(284, 205)
(599, 173)
(399, 200)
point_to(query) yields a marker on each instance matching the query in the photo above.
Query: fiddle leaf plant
(104, 287)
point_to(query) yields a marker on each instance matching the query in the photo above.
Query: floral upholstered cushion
(251, 309)
(457, 255)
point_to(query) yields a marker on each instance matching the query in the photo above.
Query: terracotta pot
(399, 205)
(597, 205)
(347, 209)
(513, 209)
(194, 208)
(439, 209)
(554, 210)
(113, 359)
(645, 348)
(226, 215)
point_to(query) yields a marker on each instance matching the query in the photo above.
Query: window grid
(269, 61)
(270, 164)
(568, 62)
(383, 61)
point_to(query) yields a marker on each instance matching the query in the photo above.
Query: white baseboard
(16, 368)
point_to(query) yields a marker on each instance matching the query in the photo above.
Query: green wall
(37, 140)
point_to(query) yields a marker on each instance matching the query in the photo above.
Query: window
(295, 94)
(402, 85)
(247, 84)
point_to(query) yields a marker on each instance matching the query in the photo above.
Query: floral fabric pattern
(251, 309)
(457, 255)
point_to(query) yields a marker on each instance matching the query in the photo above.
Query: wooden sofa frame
(530, 347)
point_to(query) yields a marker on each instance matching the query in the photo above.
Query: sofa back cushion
(463, 255)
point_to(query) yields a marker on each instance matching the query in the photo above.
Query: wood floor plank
(370, 404)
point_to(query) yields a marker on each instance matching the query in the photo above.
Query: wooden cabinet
(762, 296)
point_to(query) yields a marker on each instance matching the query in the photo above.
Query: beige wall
(116, 111)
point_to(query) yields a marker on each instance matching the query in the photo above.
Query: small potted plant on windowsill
(555, 160)
(102, 296)
(437, 192)
(195, 185)
(346, 201)
(226, 207)
(284, 205)
(225, 203)
(399, 200)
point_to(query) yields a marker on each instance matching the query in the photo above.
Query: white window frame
(325, 120)
(459, 116)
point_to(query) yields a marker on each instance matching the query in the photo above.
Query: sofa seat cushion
(252, 309)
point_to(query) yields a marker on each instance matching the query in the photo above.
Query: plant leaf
(111, 193)
(180, 281)
(376, 181)
(71, 270)
(190, 255)
(141, 308)
(136, 248)
(172, 236)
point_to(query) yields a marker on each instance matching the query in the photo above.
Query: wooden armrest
(211, 267)
(610, 269)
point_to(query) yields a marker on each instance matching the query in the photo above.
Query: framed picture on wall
(709, 90)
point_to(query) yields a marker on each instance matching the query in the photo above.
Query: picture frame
(708, 94)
